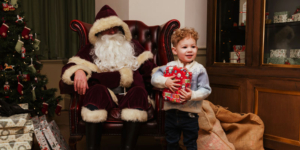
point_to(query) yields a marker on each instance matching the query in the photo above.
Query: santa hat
(107, 18)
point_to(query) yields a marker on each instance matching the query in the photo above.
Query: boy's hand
(185, 95)
(171, 83)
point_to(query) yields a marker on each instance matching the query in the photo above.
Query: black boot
(130, 134)
(93, 135)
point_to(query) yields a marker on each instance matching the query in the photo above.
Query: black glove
(11, 109)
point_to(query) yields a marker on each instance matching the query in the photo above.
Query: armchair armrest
(165, 54)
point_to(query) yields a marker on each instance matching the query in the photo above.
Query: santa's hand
(80, 82)
(171, 83)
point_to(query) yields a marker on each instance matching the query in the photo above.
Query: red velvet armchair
(154, 38)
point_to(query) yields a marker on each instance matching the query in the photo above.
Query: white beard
(113, 52)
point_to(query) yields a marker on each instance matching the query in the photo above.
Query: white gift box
(26, 145)
(16, 138)
(50, 132)
(234, 57)
(54, 137)
(235, 61)
(281, 17)
(17, 120)
(296, 17)
(295, 53)
(17, 130)
(39, 134)
(278, 53)
(275, 19)
(43, 122)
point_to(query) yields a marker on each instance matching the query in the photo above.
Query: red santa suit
(102, 85)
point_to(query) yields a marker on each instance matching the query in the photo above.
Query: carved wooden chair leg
(73, 141)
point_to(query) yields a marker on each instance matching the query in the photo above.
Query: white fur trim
(113, 96)
(79, 61)
(27, 28)
(146, 55)
(94, 116)
(126, 77)
(134, 115)
(107, 23)
(5, 25)
(66, 77)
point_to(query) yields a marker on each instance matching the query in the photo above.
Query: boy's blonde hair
(182, 33)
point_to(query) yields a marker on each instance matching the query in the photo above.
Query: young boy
(183, 117)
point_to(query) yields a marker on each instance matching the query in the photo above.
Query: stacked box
(295, 53)
(296, 17)
(52, 132)
(181, 74)
(39, 134)
(281, 17)
(48, 133)
(237, 57)
(16, 131)
(278, 53)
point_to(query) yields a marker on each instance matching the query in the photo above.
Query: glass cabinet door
(282, 32)
(231, 31)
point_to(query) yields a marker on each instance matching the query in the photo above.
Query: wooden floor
(107, 143)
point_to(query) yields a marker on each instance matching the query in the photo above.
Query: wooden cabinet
(260, 85)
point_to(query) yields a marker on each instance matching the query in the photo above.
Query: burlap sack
(245, 131)
(211, 135)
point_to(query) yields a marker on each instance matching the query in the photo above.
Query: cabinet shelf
(273, 25)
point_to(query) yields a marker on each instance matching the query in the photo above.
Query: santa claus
(113, 71)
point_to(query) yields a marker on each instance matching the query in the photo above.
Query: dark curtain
(50, 19)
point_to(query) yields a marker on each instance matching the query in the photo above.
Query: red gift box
(181, 74)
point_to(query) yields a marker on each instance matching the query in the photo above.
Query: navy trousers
(177, 121)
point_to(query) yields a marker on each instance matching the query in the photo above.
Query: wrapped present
(296, 17)
(295, 53)
(181, 74)
(237, 57)
(17, 120)
(43, 122)
(54, 128)
(25, 145)
(239, 48)
(278, 53)
(18, 130)
(281, 17)
(39, 134)
(16, 138)
(243, 13)
(54, 138)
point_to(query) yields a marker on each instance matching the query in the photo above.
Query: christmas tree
(19, 63)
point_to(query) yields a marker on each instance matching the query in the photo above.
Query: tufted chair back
(147, 36)
(157, 39)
